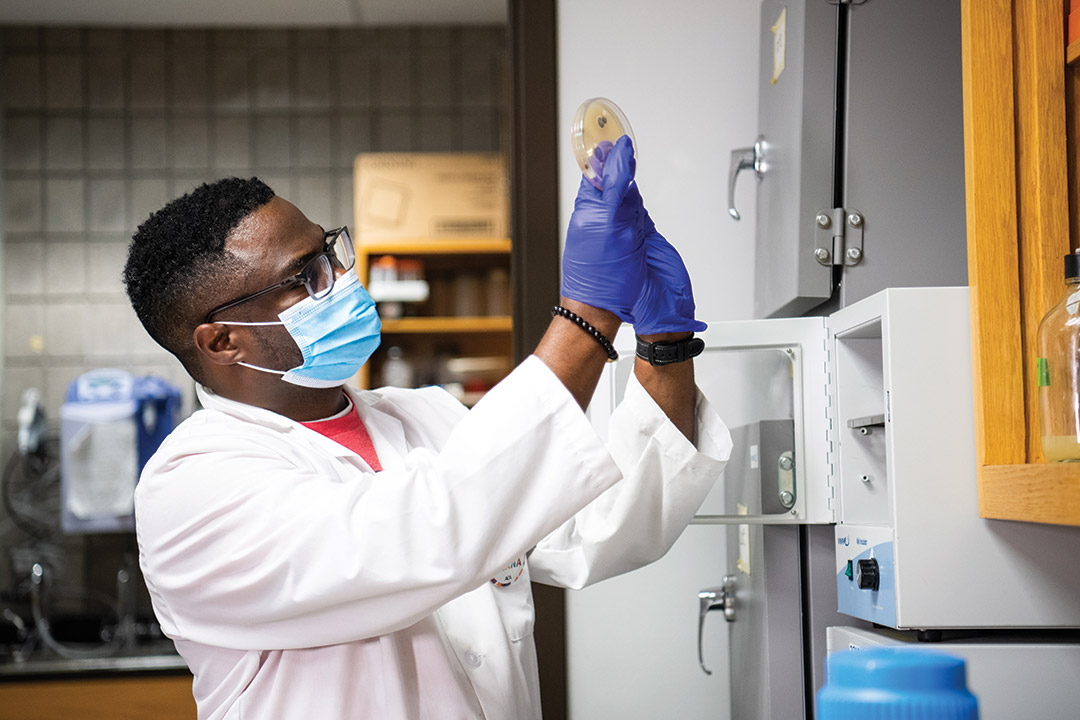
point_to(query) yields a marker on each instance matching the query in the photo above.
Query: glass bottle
(396, 370)
(1058, 371)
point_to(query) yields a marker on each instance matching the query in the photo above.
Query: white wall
(685, 74)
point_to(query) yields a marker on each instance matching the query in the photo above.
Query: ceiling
(167, 13)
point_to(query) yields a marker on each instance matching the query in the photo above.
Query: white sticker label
(779, 52)
(743, 563)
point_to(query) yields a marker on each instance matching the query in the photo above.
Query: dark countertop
(156, 658)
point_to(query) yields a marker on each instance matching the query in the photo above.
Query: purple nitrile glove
(603, 262)
(666, 302)
(596, 162)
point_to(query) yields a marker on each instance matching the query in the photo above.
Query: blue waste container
(110, 425)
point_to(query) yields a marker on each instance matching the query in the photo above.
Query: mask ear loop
(262, 369)
(256, 324)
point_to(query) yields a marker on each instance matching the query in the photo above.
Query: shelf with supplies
(445, 310)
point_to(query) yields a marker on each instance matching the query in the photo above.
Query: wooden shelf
(1034, 492)
(422, 336)
(482, 324)
(445, 246)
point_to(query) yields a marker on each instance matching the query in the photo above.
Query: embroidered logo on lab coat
(510, 574)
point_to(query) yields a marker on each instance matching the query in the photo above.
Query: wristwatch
(666, 353)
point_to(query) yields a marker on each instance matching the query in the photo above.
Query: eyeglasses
(317, 276)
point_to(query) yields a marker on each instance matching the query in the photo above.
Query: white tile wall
(65, 323)
(65, 205)
(273, 90)
(147, 195)
(65, 268)
(24, 267)
(190, 80)
(313, 78)
(273, 141)
(149, 149)
(22, 143)
(22, 75)
(108, 205)
(104, 264)
(64, 143)
(23, 330)
(103, 126)
(314, 196)
(313, 133)
(148, 79)
(106, 138)
(63, 81)
(22, 205)
(231, 142)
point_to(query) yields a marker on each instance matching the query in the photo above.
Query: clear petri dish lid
(598, 123)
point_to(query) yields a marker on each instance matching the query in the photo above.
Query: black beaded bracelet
(584, 325)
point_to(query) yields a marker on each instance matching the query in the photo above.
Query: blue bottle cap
(893, 683)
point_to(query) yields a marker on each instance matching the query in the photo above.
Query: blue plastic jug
(894, 683)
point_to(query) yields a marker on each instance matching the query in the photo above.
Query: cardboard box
(430, 196)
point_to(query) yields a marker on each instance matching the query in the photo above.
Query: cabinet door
(904, 112)
(797, 128)
(767, 379)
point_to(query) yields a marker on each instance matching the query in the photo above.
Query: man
(320, 552)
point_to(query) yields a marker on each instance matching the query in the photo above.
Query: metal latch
(747, 158)
(714, 598)
(838, 236)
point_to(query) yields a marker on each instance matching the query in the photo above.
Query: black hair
(177, 264)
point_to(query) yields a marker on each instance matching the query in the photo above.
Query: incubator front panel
(911, 549)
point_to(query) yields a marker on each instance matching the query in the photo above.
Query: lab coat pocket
(513, 596)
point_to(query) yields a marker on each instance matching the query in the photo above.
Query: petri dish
(598, 123)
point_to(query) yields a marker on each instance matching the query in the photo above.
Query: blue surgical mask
(336, 334)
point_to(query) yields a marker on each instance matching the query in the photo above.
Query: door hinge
(832, 459)
(838, 236)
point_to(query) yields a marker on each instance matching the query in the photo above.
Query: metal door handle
(745, 159)
(715, 598)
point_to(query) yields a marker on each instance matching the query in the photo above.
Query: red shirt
(347, 429)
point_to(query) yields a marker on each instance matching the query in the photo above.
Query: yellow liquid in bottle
(1061, 448)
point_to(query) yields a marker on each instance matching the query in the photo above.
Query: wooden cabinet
(112, 698)
(1021, 162)
(466, 318)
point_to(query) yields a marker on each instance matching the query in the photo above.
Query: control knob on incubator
(866, 574)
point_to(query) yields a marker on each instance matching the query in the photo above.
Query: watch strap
(671, 351)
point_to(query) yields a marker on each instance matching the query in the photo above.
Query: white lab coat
(297, 583)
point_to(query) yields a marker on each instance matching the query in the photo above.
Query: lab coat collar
(386, 431)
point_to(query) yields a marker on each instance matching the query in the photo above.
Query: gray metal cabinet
(859, 158)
